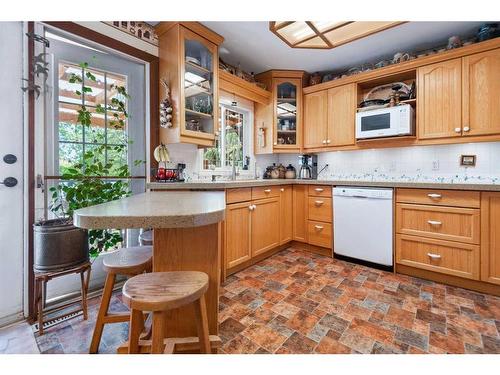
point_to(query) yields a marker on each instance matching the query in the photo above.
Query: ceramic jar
(290, 172)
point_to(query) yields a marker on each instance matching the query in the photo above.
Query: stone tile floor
(297, 302)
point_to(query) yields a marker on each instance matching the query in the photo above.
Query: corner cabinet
(189, 63)
(279, 125)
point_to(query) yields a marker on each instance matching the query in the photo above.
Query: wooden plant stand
(41, 280)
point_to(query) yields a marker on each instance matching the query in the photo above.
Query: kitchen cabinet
(189, 61)
(329, 117)
(300, 202)
(341, 116)
(315, 119)
(286, 214)
(490, 237)
(319, 216)
(265, 229)
(439, 107)
(481, 93)
(237, 233)
(278, 125)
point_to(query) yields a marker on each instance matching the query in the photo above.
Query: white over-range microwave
(385, 122)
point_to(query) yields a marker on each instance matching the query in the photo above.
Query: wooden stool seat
(161, 291)
(129, 260)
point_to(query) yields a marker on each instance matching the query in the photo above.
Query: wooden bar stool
(160, 292)
(129, 261)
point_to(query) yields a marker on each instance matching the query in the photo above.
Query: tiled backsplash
(411, 164)
(405, 164)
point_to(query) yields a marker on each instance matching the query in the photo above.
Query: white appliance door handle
(434, 256)
(318, 227)
(434, 195)
(318, 203)
(434, 222)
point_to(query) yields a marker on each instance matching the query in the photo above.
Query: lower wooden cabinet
(237, 233)
(490, 237)
(319, 233)
(286, 214)
(265, 225)
(300, 202)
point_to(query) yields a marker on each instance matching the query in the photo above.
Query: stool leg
(84, 281)
(158, 332)
(134, 331)
(103, 311)
(200, 309)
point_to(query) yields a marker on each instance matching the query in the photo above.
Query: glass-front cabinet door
(199, 99)
(287, 113)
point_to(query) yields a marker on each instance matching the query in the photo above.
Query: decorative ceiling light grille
(325, 34)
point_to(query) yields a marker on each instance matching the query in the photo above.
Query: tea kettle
(305, 172)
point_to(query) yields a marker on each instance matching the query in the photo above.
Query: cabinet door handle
(434, 256)
(434, 196)
(319, 190)
(328, 141)
(267, 190)
(466, 128)
(282, 189)
(458, 130)
(318, 227)
(434, 222)
(318, 203)
(250, 207)
(324, 141)
(275, 143)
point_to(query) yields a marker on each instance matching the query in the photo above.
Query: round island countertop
(173, 209)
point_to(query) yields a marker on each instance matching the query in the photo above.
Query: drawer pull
(434, 196)
(434, 256)
(318, 203)
(433, 222)
(318, 227)
(282, 189)
(267, 191)
(319, 190)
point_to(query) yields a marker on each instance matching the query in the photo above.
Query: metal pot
(59, 244)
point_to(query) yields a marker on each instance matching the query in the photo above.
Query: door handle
(9, 181)
(434, 196)
(10, 159)
(434, 222)
(319, 190)
(318, 203)
(267, 191)
(318, 227)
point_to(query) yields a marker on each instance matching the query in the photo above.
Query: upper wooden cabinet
(481, 93)
(315, 119)
(341, 116)
(278, 126)
(329, 117)
(189, 62)
(439, 107)
(490, 237)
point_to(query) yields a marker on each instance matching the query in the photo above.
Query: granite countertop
(179, 209)
(220, 185)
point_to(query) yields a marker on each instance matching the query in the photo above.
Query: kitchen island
(187, 237)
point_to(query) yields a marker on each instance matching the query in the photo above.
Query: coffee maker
(308, 167)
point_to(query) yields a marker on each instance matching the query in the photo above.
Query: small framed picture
(468, 160)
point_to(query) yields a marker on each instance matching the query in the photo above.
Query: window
(106, 129)
(232, 141)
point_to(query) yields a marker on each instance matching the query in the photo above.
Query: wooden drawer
(446, 257)
(319, 209)
(446, 223)
(320, 190)
(439, 197)
(238, 195)
(319, 234)
(265, 192)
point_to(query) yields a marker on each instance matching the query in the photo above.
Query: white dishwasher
(362, 222)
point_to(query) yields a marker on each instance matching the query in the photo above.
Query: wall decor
(139, 29)
(38, 66)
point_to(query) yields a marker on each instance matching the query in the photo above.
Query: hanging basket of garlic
(166, 107)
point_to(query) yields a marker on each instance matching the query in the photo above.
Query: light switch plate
(435, 165)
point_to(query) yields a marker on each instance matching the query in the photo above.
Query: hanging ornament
(166, 107)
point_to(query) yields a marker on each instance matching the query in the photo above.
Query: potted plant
(212, 156)
(57, 242)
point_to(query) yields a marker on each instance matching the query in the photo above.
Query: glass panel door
(286, 113)
(198, 86)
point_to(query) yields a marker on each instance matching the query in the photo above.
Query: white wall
(11, 199)
(411, 164)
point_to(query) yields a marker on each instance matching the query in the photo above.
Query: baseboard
(11, 319)
(478, 286)
(312, 248)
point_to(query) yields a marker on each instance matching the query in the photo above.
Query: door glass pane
(68, 127)
(287, 114)
(69, 154)
(67, 89)
(97, 95)
(198, 87)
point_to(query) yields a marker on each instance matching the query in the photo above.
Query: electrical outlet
(435, 165)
